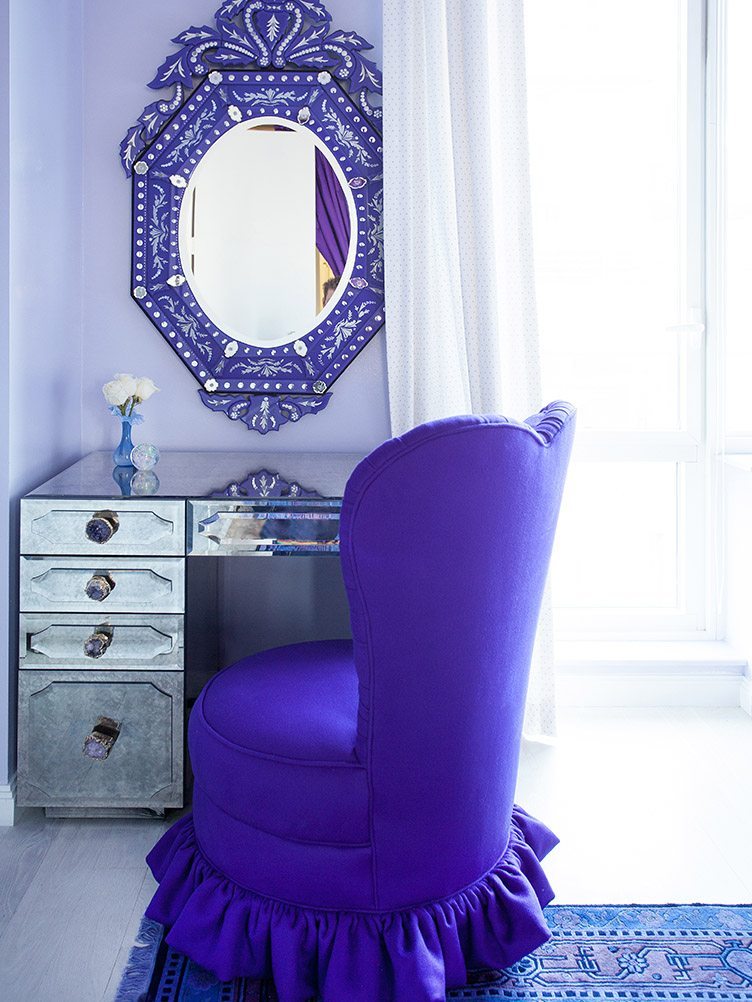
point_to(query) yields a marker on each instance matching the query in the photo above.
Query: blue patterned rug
(619, 953)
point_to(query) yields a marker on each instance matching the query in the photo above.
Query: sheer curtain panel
(461, 327)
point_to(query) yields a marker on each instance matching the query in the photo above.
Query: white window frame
(695, 616)
(734, 444)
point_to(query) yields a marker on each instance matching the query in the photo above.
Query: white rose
(145, 387)
(128, 383)
(114, 393)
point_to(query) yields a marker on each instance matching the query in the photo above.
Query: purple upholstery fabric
(308, 786)
(353, 832)
(297, 702)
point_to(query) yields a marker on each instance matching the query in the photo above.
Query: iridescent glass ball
(145, 457)
(144, 482)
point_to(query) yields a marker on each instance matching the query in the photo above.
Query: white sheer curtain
(461, 324)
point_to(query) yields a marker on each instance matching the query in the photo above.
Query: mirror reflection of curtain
(462, 336)
(332, 217)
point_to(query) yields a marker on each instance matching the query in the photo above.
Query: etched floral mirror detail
(270, 83)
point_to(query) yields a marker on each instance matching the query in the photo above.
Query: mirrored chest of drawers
(103, 611)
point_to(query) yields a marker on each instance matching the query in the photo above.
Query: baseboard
(8, 804)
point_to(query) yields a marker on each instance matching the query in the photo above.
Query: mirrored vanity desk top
(196, 475)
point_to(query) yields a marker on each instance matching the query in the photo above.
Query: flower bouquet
(123, 394)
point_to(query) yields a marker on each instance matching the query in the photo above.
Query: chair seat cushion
(299, 701)
(272, 742)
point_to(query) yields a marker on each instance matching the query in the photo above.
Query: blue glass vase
(122, 475)
(122, 455)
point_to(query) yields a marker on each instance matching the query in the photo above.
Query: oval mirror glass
(267, 232)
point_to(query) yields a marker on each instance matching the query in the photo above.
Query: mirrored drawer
(105, 739)
(78, 584)
(264, 528)
(129, 529)
(88, 641)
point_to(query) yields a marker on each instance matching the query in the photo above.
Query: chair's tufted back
(446, 538)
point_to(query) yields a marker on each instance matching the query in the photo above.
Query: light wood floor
(651, 806)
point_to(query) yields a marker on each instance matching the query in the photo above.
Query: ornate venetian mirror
(258, 207)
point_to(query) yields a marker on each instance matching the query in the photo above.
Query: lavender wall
(123, 46)
(5, 546)
(42, 305)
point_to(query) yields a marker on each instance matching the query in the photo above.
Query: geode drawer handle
(100, 742)
(96, 645)
(99, 587)
(102, 526)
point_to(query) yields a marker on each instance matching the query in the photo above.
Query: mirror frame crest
(262, 58)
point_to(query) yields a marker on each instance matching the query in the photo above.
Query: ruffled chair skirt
(412, 955)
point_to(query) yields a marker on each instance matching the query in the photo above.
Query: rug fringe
(137, 977)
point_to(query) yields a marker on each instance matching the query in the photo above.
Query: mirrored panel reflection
(266, 232)
(258, 528)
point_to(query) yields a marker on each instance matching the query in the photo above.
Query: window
(736, 175)
(616, 97)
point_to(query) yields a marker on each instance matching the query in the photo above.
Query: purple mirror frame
(262, 58)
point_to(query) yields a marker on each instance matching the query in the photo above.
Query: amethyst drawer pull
(102, 526)
(96, 645)
(99, 587)
(100, 742)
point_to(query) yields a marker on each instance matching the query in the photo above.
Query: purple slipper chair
(353, 833)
